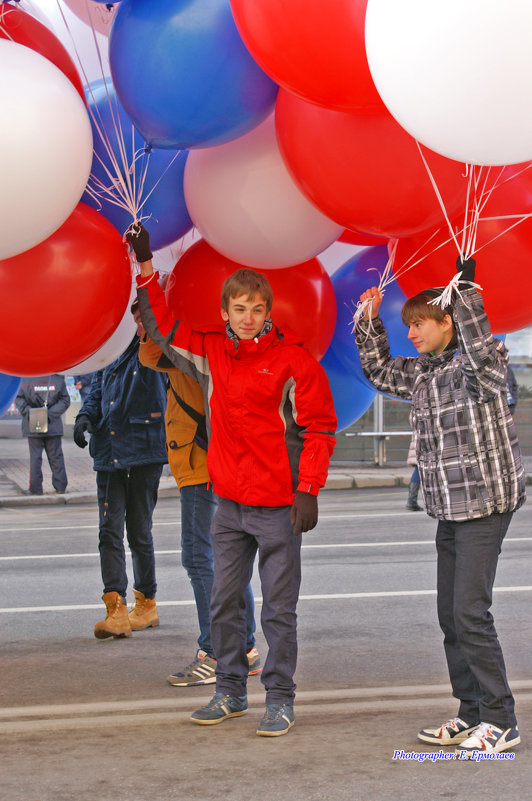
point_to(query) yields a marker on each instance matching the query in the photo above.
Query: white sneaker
(449, 733)
(489, 739)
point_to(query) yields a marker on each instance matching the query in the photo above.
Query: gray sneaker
(278, 719)
(201, 671)
(219, 708)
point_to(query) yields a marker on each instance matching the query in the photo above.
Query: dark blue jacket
(34, 393)
(126, 406)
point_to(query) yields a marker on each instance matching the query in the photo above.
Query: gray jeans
(467, 561)
(238, 532)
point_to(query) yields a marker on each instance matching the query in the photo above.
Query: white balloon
(112, 349)
(244, 202)
(45, 148)
(457, 75)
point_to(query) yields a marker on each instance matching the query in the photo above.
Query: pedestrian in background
(83, 384)
(511, 390)
(413, 488)
(48, 395)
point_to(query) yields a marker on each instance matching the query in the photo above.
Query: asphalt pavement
(84, 719)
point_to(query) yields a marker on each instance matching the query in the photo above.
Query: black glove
(139, 239)
(304, 512)
(467, 266)
(81, 425)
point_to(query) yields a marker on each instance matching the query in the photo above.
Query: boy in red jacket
(272, 423)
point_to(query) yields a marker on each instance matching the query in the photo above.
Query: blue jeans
(128, 496)
(468, 553)
(198, 505)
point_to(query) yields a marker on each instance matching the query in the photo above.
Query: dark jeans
(238, 532)
(467, 561)
(56, 460)
(128, 496)
(198, 506)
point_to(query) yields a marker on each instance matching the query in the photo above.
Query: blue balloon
(183, 73)
(160, 170)
(9, 386)
(351, 397)
(349, 282)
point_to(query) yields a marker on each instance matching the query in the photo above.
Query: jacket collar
(428, 362)
(249, 347)
(266, 328)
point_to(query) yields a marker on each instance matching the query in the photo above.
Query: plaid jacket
(467, 449)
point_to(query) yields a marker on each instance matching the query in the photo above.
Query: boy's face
(429, 335)
(246, 316)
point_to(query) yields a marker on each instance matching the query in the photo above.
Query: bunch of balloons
(64, 271)
(275, 128)
(383, 106)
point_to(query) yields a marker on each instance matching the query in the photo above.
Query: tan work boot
(144, 613)
(116, 624)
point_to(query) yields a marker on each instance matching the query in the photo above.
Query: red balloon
(502, 256)
(314, 48)
(303, 295)
(363, 170)
(356, 238)
(62, 299)
(19, 27)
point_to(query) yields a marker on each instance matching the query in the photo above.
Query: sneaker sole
(254, 671)
(174, 683)
(218, 720)
(506, 746)
(262, 733)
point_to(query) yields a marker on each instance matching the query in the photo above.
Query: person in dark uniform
(48, 392)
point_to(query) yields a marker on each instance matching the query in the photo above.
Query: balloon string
(438, 195)
(121, 190)
(385, 279)
(126, 185)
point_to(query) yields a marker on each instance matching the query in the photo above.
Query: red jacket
(272, 418)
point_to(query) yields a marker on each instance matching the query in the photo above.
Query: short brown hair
(250, 281)
(419, 307)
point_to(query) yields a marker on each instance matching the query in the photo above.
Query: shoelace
(189, 668)
(483, 731)
(116, 608)
(450, 724)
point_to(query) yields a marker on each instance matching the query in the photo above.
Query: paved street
(85, 719)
